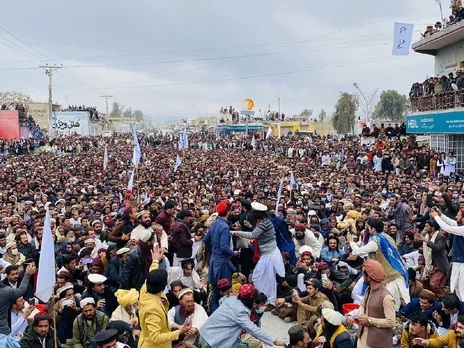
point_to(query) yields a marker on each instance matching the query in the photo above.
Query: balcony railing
(437, 102)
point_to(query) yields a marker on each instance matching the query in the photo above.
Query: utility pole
(106, 97)
(49, 71)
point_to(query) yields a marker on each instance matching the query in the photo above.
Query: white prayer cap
(89, 241)
(333, 317)
(86, 301)
(258, 206)
(122, 251)
(311, 213)
(183, 292)
(96, 278)
(60, 201)
(9, 245)
(237, 193)
(65, 287)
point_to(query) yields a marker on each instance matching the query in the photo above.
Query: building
(201, 121)
(441, 115)
(39, 112)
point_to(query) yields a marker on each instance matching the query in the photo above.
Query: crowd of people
(352, 244)
(94, 114)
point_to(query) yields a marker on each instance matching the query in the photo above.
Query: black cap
(105, 336)
(183, 213)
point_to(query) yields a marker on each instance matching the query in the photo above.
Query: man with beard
(99, 234)
(138, 261)
(305, 237)
(299, 337)
(144, 225)
(88, 323)
(39, 334)
(187, 308)
(103, 297)
(453, 339)
(377, 309)
(382, 248)
(182, 240)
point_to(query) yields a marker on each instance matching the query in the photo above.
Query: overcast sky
(164, 57)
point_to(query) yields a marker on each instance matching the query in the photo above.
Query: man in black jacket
(115, 268)
(12, 277)
(138, 261)
(436, 262)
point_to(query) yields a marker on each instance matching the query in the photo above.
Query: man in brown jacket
(307, 306)
(377, 310)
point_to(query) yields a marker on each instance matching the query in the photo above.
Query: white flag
(46, 270)
(105, 158)
(269, 133)
(185, 139)
(181, 143)
(292, 180)
(238, 174)
(178, 162)
(253, 142)
(137, 153)
(279, 194)
(402, 39)
(130, 185)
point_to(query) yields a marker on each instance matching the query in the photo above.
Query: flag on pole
(105, 158)
(178, 162)
(237, 175)
(253, 142)
(185, 140)
(137, 152)
(279, 194)
(46, 276)
(130, 185)
(269, 133)
(292, 180)
(181, 143)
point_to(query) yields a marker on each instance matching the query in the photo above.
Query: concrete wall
(39, 112)
(449, 59)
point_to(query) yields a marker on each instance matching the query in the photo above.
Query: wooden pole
(54, 317)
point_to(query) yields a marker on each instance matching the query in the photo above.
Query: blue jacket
(218, 241)
(414, 306)
(284, 238)
(327, 255)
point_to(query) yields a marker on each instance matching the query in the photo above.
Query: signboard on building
(39, 112)
(444, 122)
(71, 122)
(9, 124)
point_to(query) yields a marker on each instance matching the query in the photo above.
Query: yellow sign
(249, 105)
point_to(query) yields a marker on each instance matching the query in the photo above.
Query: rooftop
(443, 38)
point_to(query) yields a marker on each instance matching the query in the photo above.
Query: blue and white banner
(70, 122)
(402, 39)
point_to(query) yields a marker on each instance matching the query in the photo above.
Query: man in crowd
(377, 310)
(187, 308)
(40, 333)
(88, 323)
(307, 313)
(418, 327)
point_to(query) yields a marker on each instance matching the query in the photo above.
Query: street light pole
(369, 103)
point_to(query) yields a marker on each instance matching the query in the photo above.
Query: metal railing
(437, 102)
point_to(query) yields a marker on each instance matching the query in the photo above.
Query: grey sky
(163, 57)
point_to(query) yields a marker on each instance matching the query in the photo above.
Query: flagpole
(138, 186)
(54, 317)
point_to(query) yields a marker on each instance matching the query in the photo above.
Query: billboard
(436, 123)
(70, 122)
(9, 124)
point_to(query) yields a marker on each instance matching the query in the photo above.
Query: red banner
(9, 124)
